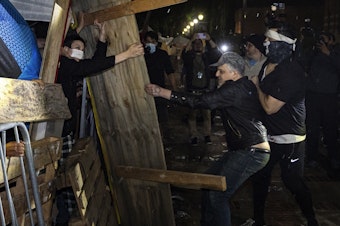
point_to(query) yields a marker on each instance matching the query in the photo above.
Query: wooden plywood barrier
(85, 175)
(46, 153)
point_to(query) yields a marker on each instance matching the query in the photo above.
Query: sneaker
(207, 140)
(194, 141)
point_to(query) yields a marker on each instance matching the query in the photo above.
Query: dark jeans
(237, 167)
(291, 160)
(322, 112)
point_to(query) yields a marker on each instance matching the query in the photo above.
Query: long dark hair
(70, 39)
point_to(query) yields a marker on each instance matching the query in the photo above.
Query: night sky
(172, 20)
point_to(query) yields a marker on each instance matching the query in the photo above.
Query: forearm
(263, 100)
(211, 43)
(164, 93)
(121, 57)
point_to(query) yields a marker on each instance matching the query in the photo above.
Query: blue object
(20, 41)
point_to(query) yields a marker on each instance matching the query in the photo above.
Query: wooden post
(177, 178)
(126, 9)
(54, 40)
(127, 123)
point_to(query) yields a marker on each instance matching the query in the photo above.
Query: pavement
(281, 209)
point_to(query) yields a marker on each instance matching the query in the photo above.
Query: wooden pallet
(46, 153)
(84, 173)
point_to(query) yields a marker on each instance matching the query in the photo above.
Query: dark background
(219, 14)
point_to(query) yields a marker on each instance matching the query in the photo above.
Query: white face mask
(152, 47)
(78, 54)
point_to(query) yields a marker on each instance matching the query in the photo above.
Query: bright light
(224, 47)
(191, 23)
(185, 30)
(188, 26)
(200, 17)
(273, 8)
(195, 21)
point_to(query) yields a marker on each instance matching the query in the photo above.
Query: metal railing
(32, 175)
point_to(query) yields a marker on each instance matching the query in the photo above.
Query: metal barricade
(31, 170)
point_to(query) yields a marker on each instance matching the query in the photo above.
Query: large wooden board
(27, 101)
(126, 120)
(128, 8)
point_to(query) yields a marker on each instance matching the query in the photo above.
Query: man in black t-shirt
(281, 89)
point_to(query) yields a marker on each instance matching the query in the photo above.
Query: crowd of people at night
(278, 101)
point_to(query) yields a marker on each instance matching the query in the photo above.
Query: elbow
(270, 111)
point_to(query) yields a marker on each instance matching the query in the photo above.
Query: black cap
(257, 41)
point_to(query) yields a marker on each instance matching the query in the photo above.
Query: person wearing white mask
(73, 68)
(159, 65)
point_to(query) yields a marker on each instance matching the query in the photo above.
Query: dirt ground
(281, 206)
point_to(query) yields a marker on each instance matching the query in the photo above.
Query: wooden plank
(96, 200)
(88, 188)
(126, 9)
(105, 213)
(19, 199)
(126, 121)
(46, 151)
(27, 101)
(77, 180)
(49, 65)
(54, 40)
(177, 178)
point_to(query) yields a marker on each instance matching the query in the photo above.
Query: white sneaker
(249, 222)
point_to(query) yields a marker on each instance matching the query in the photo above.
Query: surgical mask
(151, 47)
(78, 54)
(277, 51)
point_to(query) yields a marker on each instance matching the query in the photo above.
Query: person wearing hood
(254, 55)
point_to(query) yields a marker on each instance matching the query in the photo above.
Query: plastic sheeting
(34, 10)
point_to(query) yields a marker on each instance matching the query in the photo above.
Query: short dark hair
(69, 39)
(152, 35)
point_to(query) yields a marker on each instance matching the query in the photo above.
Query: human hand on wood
(14, 149)
(133, 51)
(81, 22)
(102, 31)
(157, 91)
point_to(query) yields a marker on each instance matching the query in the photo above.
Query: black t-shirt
(158, 63)
(286, 83)
(71, 71)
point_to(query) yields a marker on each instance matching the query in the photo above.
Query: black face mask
(277, 51)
